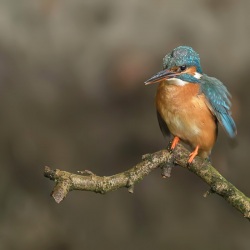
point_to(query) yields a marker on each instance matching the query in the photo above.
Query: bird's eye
(183, 67)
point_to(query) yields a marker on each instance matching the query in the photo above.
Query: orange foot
(174, 142)
(193, 154)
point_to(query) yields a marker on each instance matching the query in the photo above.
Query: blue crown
(182, 55)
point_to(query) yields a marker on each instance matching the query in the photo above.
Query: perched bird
(189, 103)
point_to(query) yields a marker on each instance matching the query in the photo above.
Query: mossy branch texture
(164, 159)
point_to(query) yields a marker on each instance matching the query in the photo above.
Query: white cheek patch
(177, 81)
(197, 75)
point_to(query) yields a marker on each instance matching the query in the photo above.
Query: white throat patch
(176, 81)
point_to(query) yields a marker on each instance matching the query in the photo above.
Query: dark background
(72, 97)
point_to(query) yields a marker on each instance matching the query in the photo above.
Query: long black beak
(164, 74)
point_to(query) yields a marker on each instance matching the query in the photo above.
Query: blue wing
(217, 97)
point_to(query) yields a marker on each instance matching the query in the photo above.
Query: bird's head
(181, 65)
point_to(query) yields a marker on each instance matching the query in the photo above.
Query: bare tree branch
(87, 181)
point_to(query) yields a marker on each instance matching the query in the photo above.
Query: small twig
(208, 192)
(66, 181)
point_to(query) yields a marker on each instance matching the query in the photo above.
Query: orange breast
(187, 116)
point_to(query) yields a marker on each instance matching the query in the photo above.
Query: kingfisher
(190, 104)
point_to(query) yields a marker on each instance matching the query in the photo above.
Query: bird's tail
(229, 124)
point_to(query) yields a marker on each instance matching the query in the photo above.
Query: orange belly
(187, 116)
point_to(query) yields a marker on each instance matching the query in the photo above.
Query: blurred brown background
(72, 97)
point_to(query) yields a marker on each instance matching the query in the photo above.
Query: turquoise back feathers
(218, 96)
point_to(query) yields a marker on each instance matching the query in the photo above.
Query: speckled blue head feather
(182, 55)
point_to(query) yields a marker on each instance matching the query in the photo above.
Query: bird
(191, 104)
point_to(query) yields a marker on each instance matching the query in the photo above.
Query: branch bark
(87, 181)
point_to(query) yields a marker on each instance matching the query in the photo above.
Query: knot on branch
(168, 165)
(131, 182)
